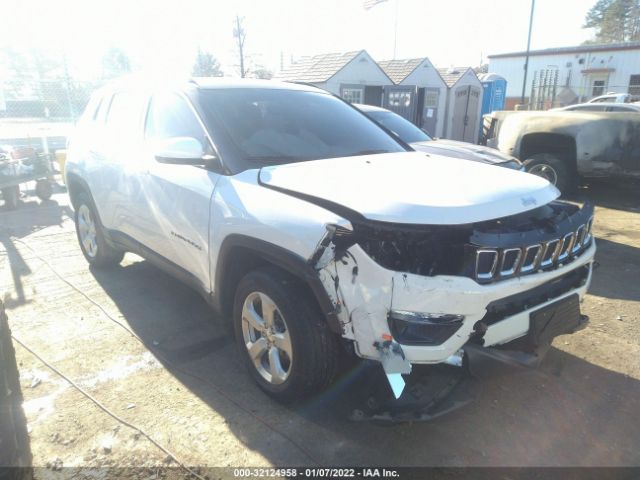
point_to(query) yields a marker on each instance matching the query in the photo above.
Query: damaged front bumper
(435, 390)
(403, 319)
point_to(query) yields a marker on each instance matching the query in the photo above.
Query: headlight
(417, 328)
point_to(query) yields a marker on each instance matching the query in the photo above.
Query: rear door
(116, 167)
(178, 196)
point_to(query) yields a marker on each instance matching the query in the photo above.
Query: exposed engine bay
(453, 250)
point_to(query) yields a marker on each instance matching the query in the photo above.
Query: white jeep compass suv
(313, 230)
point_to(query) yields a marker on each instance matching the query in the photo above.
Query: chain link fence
(40, 113)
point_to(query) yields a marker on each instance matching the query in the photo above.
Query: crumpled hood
(467, 151)
(410, 188)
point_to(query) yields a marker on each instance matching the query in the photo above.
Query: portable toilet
(494, 89)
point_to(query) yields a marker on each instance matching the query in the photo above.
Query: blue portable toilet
(494, 91)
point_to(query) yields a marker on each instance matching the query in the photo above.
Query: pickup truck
(315, 233)
(561, 146)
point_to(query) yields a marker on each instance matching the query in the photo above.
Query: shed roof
(576, 49)
(317, 68)
(398, 70)
(451, 75)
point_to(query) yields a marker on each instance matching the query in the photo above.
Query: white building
(561, 76)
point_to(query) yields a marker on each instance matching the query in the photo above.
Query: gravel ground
(180, 380)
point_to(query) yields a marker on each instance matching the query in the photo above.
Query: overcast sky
(162, 36)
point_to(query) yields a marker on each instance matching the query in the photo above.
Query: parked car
(422, 142)
(600, 107)
(613, 97)
(313, 230)
(561, 146)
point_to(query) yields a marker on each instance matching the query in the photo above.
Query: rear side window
(124, 115)
(170, 116)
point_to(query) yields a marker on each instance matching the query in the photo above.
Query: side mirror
(181, 151)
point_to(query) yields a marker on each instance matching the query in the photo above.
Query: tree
(614, 21)
(263, 73)
(206, 65)
(240, 35)
(115, 63)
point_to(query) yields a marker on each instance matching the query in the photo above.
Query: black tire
(44, 189)
(315, 349)
(104, 254)
(11, 197)
(556, 167)
(14, 438)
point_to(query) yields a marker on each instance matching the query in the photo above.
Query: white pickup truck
(313, 230)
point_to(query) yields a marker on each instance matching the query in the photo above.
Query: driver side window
(169, 116)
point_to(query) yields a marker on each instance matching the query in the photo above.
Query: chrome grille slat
(527, 259)
(550, 252)
(577, 243)
(494, 263)
(567, 245)
(506, 270)
(529, 267)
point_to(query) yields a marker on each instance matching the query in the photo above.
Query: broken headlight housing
(417, 328)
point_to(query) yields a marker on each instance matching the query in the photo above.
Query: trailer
(19, 165)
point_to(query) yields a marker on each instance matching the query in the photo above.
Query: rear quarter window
(124, 117)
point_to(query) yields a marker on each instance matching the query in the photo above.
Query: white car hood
(465, 150)
(410, 188)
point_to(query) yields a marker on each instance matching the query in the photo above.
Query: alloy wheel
(266, 338)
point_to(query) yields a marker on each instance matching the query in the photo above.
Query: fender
(277, 256)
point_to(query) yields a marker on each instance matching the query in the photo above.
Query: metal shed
(464, 101)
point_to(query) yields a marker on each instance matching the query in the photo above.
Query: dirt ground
(181, 380)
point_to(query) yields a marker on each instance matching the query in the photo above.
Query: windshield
(403, 128)
(273, 126)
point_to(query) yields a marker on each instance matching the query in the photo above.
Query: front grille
(493, 264)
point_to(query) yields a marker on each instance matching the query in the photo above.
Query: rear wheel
(11, 197)
(91, 237)
(282, 336)
(550, 168)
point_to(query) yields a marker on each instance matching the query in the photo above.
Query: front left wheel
(282, 335)
(94, 246)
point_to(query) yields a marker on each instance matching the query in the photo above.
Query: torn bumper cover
(537, 261)
(435, 390)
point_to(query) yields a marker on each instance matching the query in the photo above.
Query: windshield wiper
(368, 152)
(274, 159)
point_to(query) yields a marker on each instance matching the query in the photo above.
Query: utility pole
(395, 31)
(526, 58)
(240, 34)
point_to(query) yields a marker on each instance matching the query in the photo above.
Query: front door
(178, 196)
(402, 99)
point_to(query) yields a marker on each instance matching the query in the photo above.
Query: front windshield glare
(272, 126)
(404, 129)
